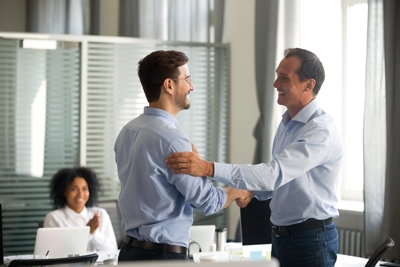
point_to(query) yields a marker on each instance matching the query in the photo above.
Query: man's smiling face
(291, 91)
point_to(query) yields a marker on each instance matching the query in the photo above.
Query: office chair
(375, 257)
(84, 260)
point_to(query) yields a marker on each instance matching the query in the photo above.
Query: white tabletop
(234, 252)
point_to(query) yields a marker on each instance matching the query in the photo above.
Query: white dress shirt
(102, 240)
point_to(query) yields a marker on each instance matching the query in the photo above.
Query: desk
(350, 261)
(106, 257)
(233, 252)
(222, 256)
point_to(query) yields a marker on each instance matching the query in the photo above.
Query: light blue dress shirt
(303, 177)
(156, 205)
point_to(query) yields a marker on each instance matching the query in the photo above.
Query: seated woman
(73, 192)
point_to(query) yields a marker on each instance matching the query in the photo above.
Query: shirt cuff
(221, 173)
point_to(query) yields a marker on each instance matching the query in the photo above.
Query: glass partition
(39, 125)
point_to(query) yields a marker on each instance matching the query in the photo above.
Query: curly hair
(64, 177)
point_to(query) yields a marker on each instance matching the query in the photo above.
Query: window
(355, 15)
(337, 33)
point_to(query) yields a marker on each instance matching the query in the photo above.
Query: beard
(182, 101)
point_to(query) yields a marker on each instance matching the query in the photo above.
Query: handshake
(241, 197)
(244, 200)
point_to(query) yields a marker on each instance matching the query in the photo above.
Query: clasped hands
(243, 197)
(192, 163)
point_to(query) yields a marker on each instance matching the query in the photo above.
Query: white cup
(213, 247)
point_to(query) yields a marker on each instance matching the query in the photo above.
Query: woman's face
(77, 194)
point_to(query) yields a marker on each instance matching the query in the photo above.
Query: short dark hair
(64, 177)
(310, 68)
(156, 67)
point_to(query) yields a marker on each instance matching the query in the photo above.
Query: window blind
(39, 125)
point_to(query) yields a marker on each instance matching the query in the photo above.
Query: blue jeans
(310, 248)
(129, 253)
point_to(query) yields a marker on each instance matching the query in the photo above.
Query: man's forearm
(231, 195)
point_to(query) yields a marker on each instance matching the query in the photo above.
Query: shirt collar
(161, 113)
(304, 114)
(71, 213)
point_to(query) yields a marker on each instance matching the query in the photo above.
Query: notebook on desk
(62, 242)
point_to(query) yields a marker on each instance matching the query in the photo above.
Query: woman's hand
(94, 223)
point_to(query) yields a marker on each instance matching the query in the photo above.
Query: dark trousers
(129, 253)
(312, 248)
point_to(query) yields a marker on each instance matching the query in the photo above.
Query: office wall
(239, 19)
(12, 15)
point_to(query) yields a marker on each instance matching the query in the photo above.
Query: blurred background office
(352, 38)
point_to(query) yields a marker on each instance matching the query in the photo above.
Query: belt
(154, 246)
(282, 231)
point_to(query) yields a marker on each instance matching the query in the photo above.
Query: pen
(47, 254)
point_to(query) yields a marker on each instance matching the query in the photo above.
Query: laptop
(62, 242)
